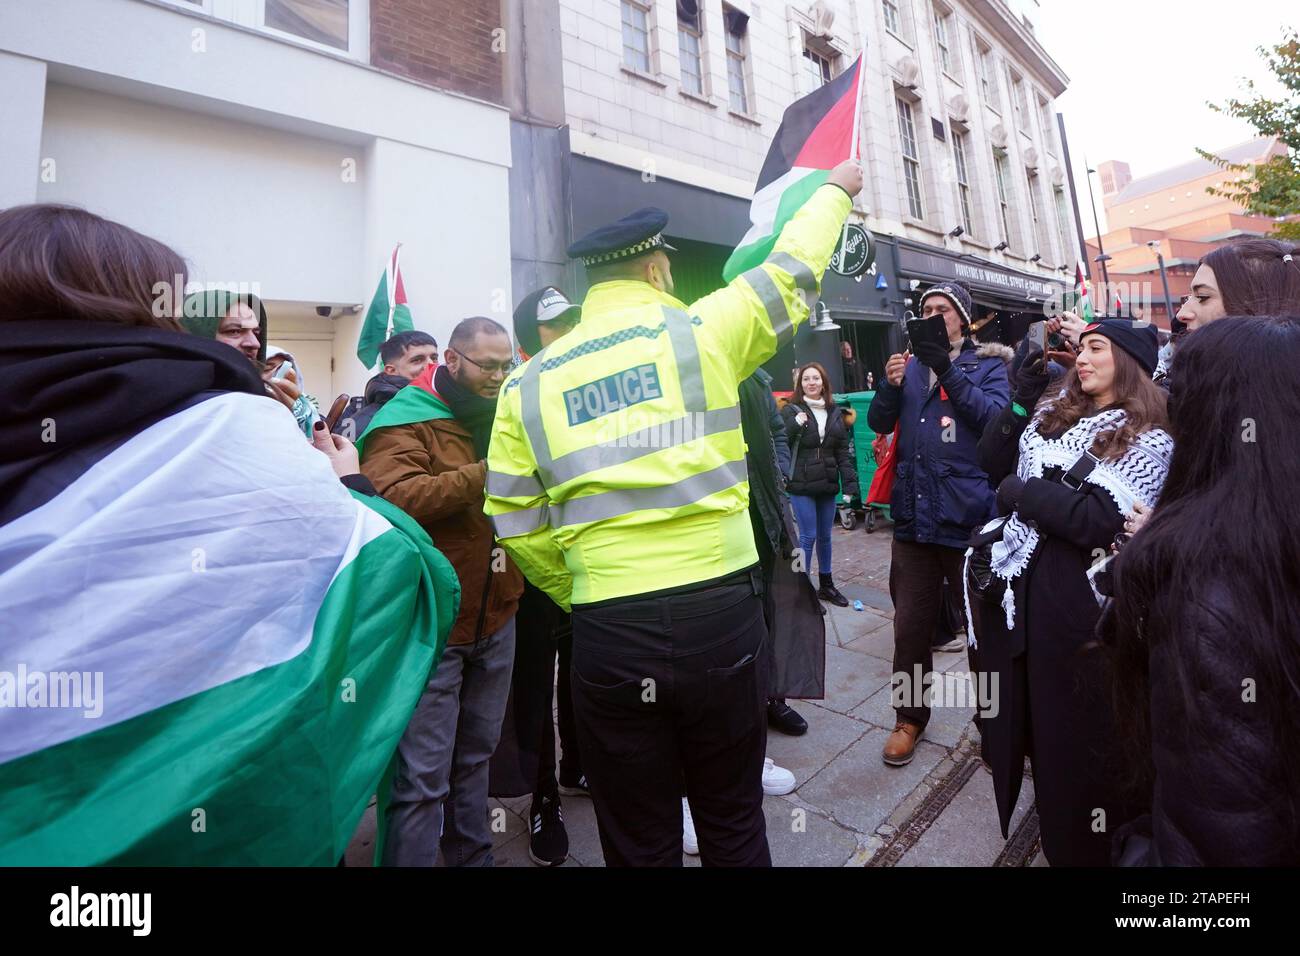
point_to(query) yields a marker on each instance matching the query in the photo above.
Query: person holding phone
(940, 398)
(1070, 463)
(821, 468)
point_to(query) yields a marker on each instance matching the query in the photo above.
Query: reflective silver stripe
(803, 276)
(501, 485)
(510, 524)
(687, 352)
(773, 303)
(530, 410)
(611, 504)
(645, 441)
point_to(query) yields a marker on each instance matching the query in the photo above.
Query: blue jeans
(815, 515)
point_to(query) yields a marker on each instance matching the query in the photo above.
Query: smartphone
(1038, 335)
(930, 329)
(284, 369)
(336, 411)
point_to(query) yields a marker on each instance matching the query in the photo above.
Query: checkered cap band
(645, 245)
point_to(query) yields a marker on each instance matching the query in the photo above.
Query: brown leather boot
(900, 748)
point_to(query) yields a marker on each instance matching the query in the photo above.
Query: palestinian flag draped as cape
(417, 402)
(211, 646)
(817, 133)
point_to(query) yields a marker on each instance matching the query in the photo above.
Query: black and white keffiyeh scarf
(1138, 475)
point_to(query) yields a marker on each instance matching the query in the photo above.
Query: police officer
(617, 481)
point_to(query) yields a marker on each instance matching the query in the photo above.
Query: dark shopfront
(705, 226)
(1006, 300)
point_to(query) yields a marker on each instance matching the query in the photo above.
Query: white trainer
(690, 842)
(777, 781)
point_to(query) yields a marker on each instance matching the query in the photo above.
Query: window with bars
(893, 18)
(1062, 223)
(690, 42)
(963, 181)
(1004, 209)
(816, 68)
(1018, 104)
(636, 36)
(736, 24)
(1045, 117)
(911, 159)
(942, 31)
(987, 78)
(1036, 221)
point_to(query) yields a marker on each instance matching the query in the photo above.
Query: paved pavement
(849, 808)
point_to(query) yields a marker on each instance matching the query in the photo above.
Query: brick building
(1172, 213)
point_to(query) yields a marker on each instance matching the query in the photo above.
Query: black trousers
(917, 575)
(570, 760)
(668, 692)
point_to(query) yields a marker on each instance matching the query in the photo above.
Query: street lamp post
(1154, 244)
(1101, 257)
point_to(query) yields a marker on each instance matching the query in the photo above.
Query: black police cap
(634, 235)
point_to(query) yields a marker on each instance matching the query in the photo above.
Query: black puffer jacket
(822, 465)
(1220, 796)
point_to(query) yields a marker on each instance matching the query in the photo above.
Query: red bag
(882, 482)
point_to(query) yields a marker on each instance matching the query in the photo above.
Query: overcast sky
(1141, 72)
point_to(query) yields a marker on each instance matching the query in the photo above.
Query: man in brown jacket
(425, 453)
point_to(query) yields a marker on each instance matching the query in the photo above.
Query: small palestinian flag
(817, 133)
(1082, 304)
(388, 309)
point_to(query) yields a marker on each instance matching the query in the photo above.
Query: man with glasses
(425, 452)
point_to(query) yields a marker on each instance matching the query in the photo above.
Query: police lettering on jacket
(612, 393)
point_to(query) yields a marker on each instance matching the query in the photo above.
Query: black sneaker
(781, 716)
(548, 843)
(575, 788)
(830, 593)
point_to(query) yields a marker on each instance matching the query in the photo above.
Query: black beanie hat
(954, 292)
(1138, 339)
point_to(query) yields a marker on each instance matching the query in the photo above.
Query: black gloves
(933, 356)
(1009, 494)
(1031, 381)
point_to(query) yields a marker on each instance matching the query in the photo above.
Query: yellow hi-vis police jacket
(617, 465)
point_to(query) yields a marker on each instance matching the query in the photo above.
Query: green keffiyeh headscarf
(204, 311)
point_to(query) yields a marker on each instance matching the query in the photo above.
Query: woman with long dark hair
(1247, 277)
(1067, 474)
(1204, 631)
(259, 632)
(821, 468)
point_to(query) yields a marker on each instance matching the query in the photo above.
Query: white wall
(241, 203)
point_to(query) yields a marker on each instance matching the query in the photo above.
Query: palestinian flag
(1082, 301)
(388, 310)
(417, 402)
(211, 646)
(817, 133)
